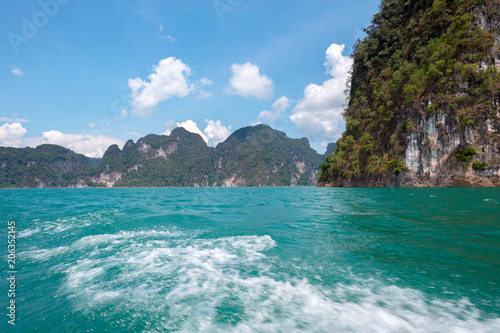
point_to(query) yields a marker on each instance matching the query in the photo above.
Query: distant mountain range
(251, 156)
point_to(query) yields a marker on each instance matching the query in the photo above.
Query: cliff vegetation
(423, 64)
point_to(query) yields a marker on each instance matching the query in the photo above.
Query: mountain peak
(251, 156)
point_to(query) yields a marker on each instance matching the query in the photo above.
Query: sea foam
(186, 284)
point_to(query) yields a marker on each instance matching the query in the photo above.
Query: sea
(250, 260)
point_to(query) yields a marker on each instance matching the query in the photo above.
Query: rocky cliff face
(431, 155)
(433, 152)
(440, 124)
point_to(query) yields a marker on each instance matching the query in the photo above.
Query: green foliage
(260, 156)
(266, 157)
(396, 166)
(479, 165)
(94, 162)
(45, 166)
(431, 109)
(190, 162)
(467, 121)
(465, 155)
(408, 125)
(415, 52)
(366, 140)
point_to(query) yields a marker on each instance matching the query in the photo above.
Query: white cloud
(10, 134)
(206, 82)
(255, 123)
(13, 120)
(161, 35)
(319, 113)
(216, 132)
(279, 107)
(170, 78)
(16, 71)
(336, 64)
(91, 145)
(192, 127)
(202, 94)
(248, 82)
(92, 125)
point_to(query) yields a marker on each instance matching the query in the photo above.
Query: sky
(86, 74)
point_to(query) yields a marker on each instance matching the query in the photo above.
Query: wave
(67, 223)
(179, 281)
(43, 254)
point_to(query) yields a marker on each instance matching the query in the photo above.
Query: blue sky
(86, 74)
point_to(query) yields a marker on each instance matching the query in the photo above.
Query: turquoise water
(254, 260)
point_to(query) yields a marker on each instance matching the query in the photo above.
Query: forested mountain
(424, 98)
(262, 156)
(43, 166)
(251, 156)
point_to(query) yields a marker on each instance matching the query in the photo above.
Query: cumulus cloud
(279, 107)
(170, 78)
(17, 72)
(91, 145)
(248, 82)
(336, 64)
(192, 127)
(319, 113)
(10, 134)
(214, 133)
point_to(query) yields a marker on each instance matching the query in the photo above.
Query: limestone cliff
(424, 107)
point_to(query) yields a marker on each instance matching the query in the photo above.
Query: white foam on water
(60, 228)
(229, 284)
(43, 254)
(84, 274)
(124, 236)
(63, 224)
(27, 232)
(106, 296)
